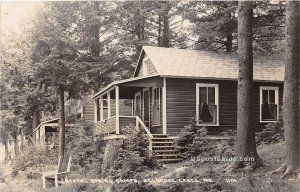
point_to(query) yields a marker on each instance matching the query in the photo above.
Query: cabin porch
(136, 104)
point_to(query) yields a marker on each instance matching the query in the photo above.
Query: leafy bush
(86, 161)
(134, 156)
(33, 160)
(272, 133)
(226, 147)
(191, 141)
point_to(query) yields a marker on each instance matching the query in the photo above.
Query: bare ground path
(10, 184)
(3, 186)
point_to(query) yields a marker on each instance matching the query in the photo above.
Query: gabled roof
(186, 63)
(171, 62)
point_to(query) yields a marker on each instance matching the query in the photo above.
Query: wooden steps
(164, 150)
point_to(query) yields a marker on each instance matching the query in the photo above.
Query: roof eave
(138, 62)
(121, 82)
(218, 78)
(38, 127)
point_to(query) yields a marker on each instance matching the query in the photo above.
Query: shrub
(86, 161)
(192, 142)
(272, 133)
(32, 160)
(134, 156)
(226, 147)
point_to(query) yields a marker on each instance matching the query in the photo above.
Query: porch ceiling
(128, 92)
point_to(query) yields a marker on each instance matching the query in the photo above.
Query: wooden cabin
(170, 86)
(47, 133)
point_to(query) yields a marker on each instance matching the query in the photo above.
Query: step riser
(164, 150)
(162, 140)
(160, 135)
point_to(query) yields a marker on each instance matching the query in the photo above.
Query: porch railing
(139, 123)
(109, 126)
(106, 126)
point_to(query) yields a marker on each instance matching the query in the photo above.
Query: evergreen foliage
(191, 141)
(133, 158)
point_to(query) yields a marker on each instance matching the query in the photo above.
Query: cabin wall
(181, 103)
(88, 109)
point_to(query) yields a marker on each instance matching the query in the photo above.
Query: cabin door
(146, 104)
(156, 106)
(138, 104)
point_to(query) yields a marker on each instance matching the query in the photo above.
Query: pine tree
(291, 90)
(245, 144)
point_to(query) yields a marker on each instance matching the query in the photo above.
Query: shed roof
(187, 63)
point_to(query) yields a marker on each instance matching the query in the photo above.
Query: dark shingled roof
(206, 64)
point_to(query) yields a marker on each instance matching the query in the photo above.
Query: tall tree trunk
(16, 144)
(6, 150)
(229, 37)
(95, 49)
(22, 139)
(245, 145)
(291, 89)
(35, 123)
(61, 120)
(166, 29)
(159, 31)
(228, 43)
(95, 42)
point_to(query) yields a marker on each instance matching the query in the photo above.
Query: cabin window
(101, 117)
(207, 104)
(105, 109)
(269, 106)
(156, 106)
(146, 63)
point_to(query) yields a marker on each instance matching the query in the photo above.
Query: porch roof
(45, 122)
(120, 82)
(51, 122)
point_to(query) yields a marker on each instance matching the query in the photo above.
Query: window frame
(261, 89)
(216, 86)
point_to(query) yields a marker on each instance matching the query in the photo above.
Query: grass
(258, 180)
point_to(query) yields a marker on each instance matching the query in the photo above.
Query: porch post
(101, 108)
(164, 102)
(95, 111)
(108, 104)
(42, 131)
(117, 111)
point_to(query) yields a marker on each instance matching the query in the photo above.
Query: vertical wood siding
(181, 103)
